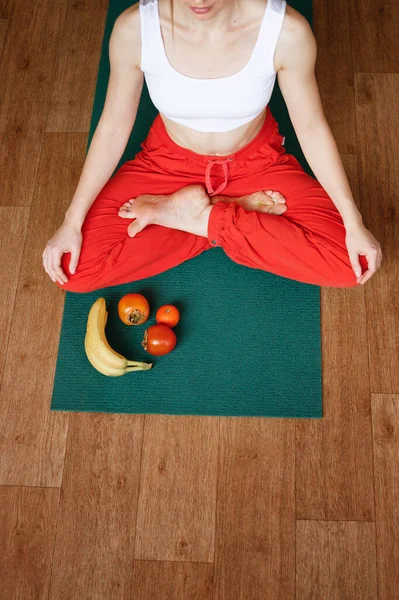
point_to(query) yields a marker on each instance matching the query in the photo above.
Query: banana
(100, 354)
(99, 365)
(96, 338)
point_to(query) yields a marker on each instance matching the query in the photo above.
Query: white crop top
(210, 104)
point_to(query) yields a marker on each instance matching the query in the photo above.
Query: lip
(201, 10)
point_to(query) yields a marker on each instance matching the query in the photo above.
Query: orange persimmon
(168, 315)
(133, 309)
(159, 340)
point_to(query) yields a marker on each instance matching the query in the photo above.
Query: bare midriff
(214, 143)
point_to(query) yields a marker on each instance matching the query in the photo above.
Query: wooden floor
(98, 506)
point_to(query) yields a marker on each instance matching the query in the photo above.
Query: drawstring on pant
(221, 187)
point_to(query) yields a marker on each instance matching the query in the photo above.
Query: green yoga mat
(248, 342)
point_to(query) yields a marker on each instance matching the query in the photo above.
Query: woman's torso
(204, 57)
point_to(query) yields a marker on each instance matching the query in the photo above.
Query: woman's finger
(50, 267)
(53, 267)
(372, 266)
(73, 263)
(46, 265)
(50, 274)
(369, 273)
(366, 276)
(59, 273)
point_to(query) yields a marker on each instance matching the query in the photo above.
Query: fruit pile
(133, 309)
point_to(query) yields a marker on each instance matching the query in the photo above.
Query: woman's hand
(68, 238)
(359, 240)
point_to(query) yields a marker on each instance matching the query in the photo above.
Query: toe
(126, 206)
(279, 209)
(277, 196)
(125, 210)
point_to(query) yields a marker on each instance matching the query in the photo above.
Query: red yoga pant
(306, 243)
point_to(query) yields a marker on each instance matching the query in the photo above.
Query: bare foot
(269, 201)
(185, 209)
(188, 209)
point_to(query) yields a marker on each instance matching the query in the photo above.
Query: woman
(210, 67)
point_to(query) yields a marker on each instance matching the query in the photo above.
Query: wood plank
(19, 157)
(374, 27)
(96, 526)
(28, 519)
(77, 66)
(334, 472)
(335, 560)
(156, 579)
(334, 70)
(334, 455)
(255, 535)
(27, 68)
(28, 63)
(176, 509)
(13, 224)
(378, 133)
(6, 8)
(385, 410)
(3, 31)
(33, 438)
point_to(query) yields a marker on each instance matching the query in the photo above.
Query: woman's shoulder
(127, 28)
(295, 30)
(129, 18)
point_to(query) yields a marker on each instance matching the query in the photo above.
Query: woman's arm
(117, 119)
(296, 55)
(321, 152)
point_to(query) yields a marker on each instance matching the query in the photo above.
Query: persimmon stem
(136, 316)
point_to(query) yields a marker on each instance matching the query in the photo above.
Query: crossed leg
(305, 243)
(308, 244)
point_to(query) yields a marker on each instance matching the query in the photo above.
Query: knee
(346, 277)
(347, 280)
(83, 280)
(350, 276)
(73, 285)
(78, 284)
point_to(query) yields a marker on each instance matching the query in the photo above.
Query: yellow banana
(95, 335)
(99, 365)
(100, 354)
